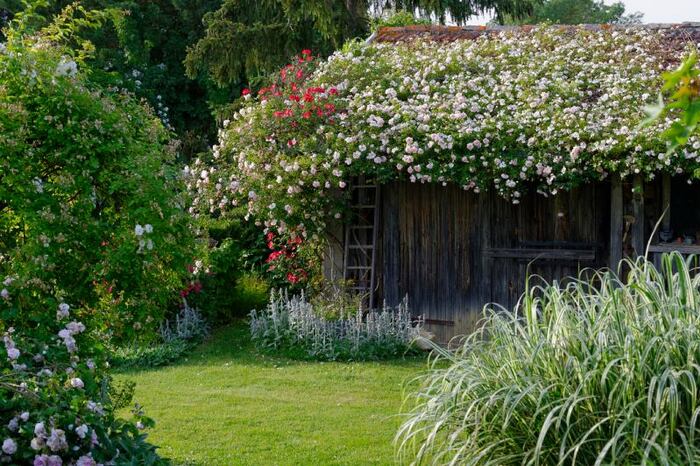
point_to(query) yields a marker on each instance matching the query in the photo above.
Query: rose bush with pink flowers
(94, 243)
(57, 403)
(90, 201)
(542, 110)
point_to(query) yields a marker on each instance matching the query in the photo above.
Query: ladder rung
(364, 206)
(359, 267)
(361, 227)
(361, 246)
(360, 186)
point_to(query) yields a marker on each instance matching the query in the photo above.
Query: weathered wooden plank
(562, 217)
(541, 254)
(616, 222)
(670, 247)
(637, 229)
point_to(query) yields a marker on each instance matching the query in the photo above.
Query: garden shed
(451, 249)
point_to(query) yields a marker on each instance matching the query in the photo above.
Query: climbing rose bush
(539, 110)
(57, 405)
(89, 196)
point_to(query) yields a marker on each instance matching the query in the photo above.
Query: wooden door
(552, 238)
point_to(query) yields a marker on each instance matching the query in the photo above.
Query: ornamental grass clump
(296, 327)
(600, 370)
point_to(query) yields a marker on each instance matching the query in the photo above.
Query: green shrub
(227, 273)
(152, 355)
(178, 336)
(251, 292)
(89, 199)
(601, 370)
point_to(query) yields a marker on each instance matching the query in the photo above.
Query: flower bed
(293, 325)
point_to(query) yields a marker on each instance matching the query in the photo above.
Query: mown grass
(227, 404)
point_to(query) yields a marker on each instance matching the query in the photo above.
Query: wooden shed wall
(451, 252)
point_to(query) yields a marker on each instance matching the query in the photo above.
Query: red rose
(245, 91)
(306, 52)
(273, 256)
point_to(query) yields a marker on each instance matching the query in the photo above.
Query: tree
(144, 53)
(248, 39)
(577, 12)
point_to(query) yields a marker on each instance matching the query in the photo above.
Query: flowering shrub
(287, 262)
(88, 192)
(292, 111)
(294, 325)
(57, 405)
(543, 109)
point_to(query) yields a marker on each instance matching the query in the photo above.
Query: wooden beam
(541, 253)
(637, 229)
(616, 222)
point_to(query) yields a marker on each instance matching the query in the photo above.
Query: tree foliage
(248, 39)
(576, 12)
(143, 52)
(683, 88)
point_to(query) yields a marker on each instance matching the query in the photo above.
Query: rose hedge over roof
(545, 109)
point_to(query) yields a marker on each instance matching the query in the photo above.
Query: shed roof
(681, 32)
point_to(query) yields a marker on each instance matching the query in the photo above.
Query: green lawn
(227, 404)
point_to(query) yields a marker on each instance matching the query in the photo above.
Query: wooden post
(666, 201)
(616, 221)
(638, 213)
(391, 244)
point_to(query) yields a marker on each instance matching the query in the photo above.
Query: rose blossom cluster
(539, 110)
(283, 257)
(55, 369)
(141, 232)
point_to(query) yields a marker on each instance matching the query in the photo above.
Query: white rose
(76, 383)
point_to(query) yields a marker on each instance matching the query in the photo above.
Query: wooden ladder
(359, 263)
